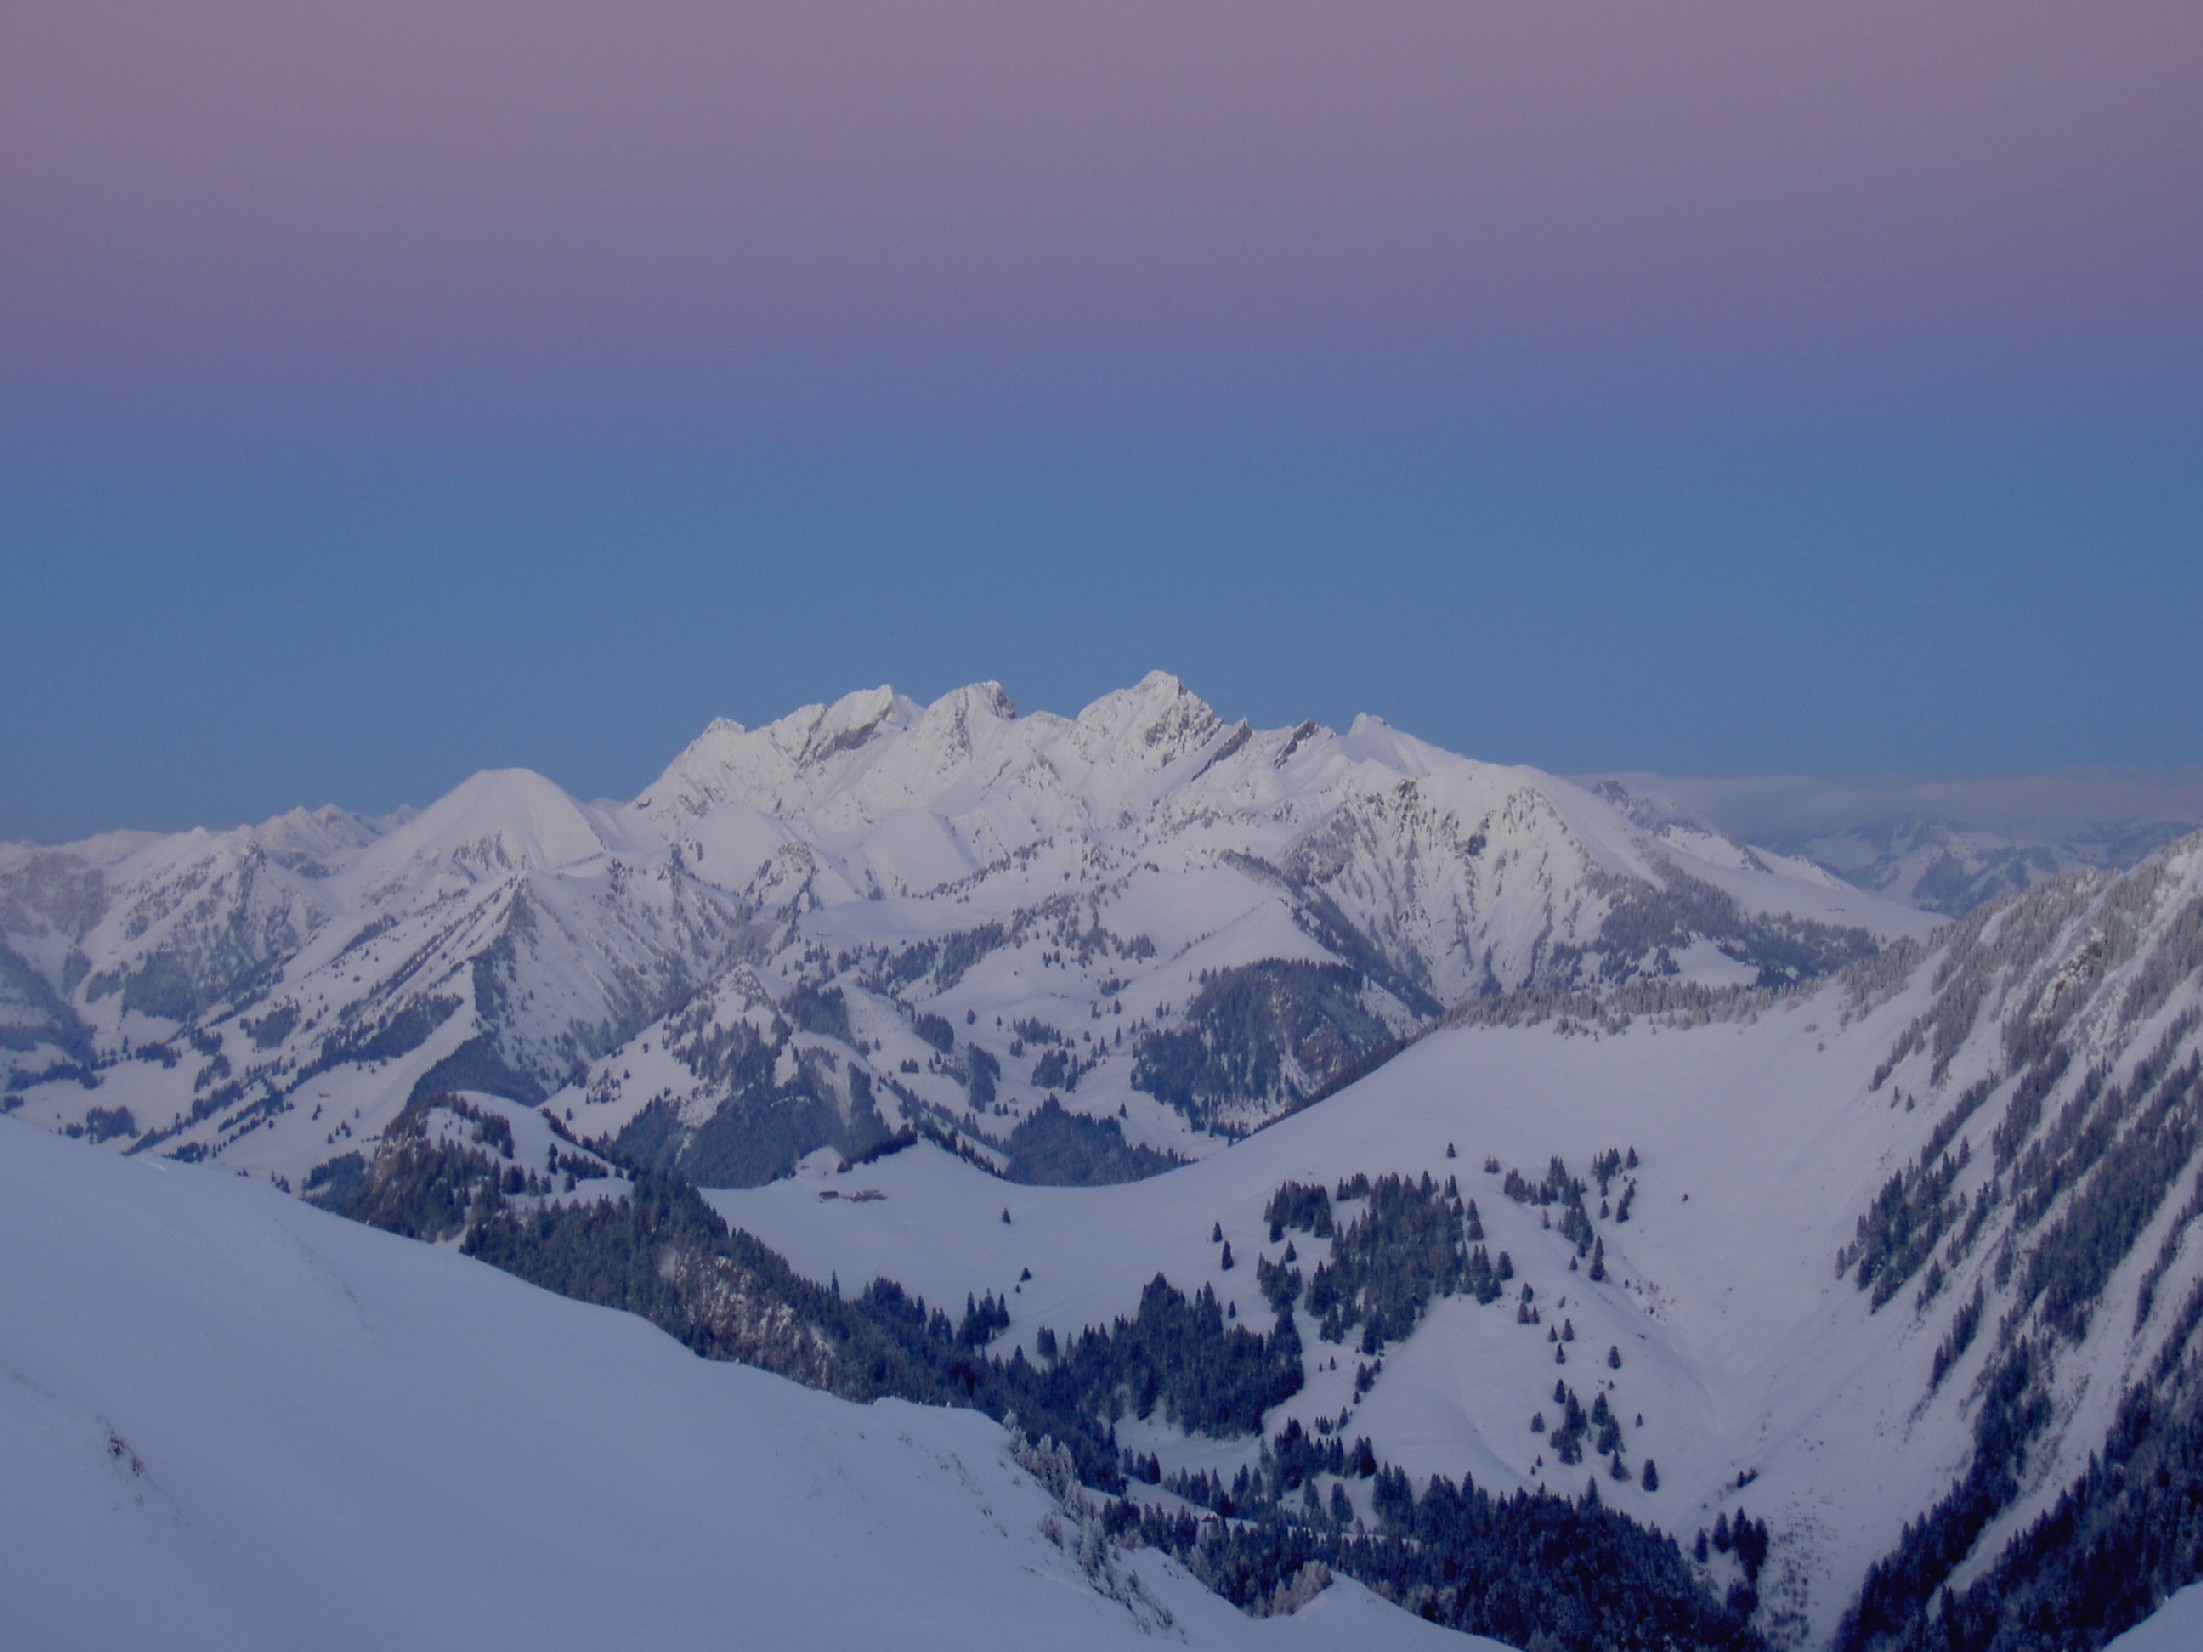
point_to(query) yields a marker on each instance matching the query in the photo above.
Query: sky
(394, 390)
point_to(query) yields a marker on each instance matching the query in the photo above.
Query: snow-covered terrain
(1764, 1132)
(865, 917)
(232, 1422)
(1804, 1194)
(2176, 1626)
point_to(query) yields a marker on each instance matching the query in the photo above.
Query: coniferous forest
(1531, 1568)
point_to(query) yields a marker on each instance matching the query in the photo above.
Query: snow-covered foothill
(231, 1422)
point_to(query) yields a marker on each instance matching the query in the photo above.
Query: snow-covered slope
(2176, 1626)
(269, 994)
(863, 918)
(232, 1422)
(1825, 1179)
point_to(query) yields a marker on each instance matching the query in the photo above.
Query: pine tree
(1651, 1477)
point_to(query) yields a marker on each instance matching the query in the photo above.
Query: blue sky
(393, 392)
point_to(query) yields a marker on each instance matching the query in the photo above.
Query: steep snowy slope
(868, 918)
(231, 1422)
(1854, 1211)
(269, 995)
(2177, 1626)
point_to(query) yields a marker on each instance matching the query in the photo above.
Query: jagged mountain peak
(872, 753)
(956, 724)
(888, 797)
(1648, 811)
(1147, 726)
(786, 766)
(316, 841)
(817, 733)
(988, 698)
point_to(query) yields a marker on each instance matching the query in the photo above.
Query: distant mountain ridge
(1174, 926)
(1944, 846)
(1941, 865)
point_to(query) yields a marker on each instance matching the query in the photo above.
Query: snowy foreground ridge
(231, 1422)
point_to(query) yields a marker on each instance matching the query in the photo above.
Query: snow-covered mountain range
(1588, 1144)
(868, 917)
(1943, 865)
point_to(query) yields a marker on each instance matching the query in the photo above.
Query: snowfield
(2176, 1626)
(231, 1422)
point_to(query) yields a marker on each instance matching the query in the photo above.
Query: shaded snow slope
(231, 1422)
(2176, 1626)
